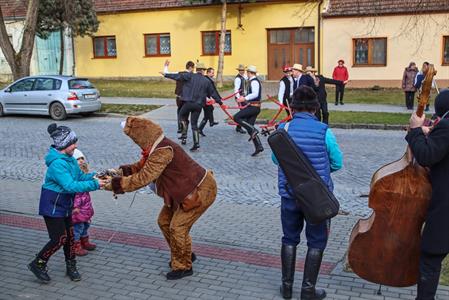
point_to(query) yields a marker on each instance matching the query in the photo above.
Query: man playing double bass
(430, 148)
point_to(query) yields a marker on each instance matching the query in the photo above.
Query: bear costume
(186, 187)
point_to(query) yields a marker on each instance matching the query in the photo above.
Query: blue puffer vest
(310, 135)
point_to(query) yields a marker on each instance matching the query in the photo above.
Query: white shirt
(237, 83)
(282, 88)
(255, 88)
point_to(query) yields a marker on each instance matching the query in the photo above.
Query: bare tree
(19, 62)
(222, 45)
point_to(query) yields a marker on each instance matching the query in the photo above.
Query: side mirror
(8, 90)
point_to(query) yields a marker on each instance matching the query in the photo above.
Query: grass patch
(352, 117)
(139, 88)
(444, 279)
(128, 109)
(370, 96)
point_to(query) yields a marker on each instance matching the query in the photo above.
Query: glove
(108, 186)
(107, 174)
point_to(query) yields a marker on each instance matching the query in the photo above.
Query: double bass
(385, 247)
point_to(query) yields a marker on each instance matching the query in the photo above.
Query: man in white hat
(240, 86)
(247, 116)
(300, 78)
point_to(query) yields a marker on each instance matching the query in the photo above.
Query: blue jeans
(80, 230)
(293, 222)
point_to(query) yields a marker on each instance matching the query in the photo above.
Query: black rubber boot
(429, 275)
(427, 286)
(196, 141)
(239, 129)
(183, 137)
(201, 127)
(288, 259)
(212, 124)
(72, 272)
(39, 268)
(257, 145)
(311, 270)
(254, 131)
(179, 126)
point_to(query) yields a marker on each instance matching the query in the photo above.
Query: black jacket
(433, 152)
(196, 87)
(321, 90)
(179, 84)
(305, 79)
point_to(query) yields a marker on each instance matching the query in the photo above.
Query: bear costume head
(143, 132)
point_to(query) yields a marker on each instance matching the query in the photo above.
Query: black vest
(259, 95)
(242, 86)
(286, 95)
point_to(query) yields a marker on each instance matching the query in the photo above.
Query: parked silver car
(56, 96)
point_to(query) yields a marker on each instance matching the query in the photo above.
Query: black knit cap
(304, 97)
(62, 136)
(442, 103)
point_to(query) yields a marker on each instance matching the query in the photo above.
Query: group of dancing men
(194, 86)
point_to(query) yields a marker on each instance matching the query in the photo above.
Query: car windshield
(75, 84)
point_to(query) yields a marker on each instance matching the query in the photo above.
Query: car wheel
(1, 110)
(57, 111)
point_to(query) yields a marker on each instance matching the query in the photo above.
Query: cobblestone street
(237, 240)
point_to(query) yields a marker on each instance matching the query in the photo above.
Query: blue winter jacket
(63, 179)
(319, 145)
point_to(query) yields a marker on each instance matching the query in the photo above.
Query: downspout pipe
(319, 36)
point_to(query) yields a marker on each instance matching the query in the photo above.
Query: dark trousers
(429, 275)
(193, 109)
(409, 99)
(247, 115)
(60, 232)
(208, 114)
(293, 221)
(339, 92)
(322, 113)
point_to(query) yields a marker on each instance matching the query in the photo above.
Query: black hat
(62, 136)
(442, 103)
(304, 97)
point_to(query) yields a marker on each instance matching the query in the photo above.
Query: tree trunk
(222, 45)
(61, 58)
(20, 62)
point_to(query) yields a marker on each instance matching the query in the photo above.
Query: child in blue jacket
(62, 180)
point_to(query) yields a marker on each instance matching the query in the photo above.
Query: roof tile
(339, 8)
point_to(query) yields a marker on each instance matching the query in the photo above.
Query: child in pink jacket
(82, 213)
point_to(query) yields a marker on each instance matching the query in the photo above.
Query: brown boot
(79, 251)
(86, 244)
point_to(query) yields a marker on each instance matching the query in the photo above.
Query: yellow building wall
(405, 43)
(249, 46)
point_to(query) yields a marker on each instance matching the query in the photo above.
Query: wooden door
(289, 46)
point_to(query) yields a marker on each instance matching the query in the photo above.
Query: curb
(354, 126)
